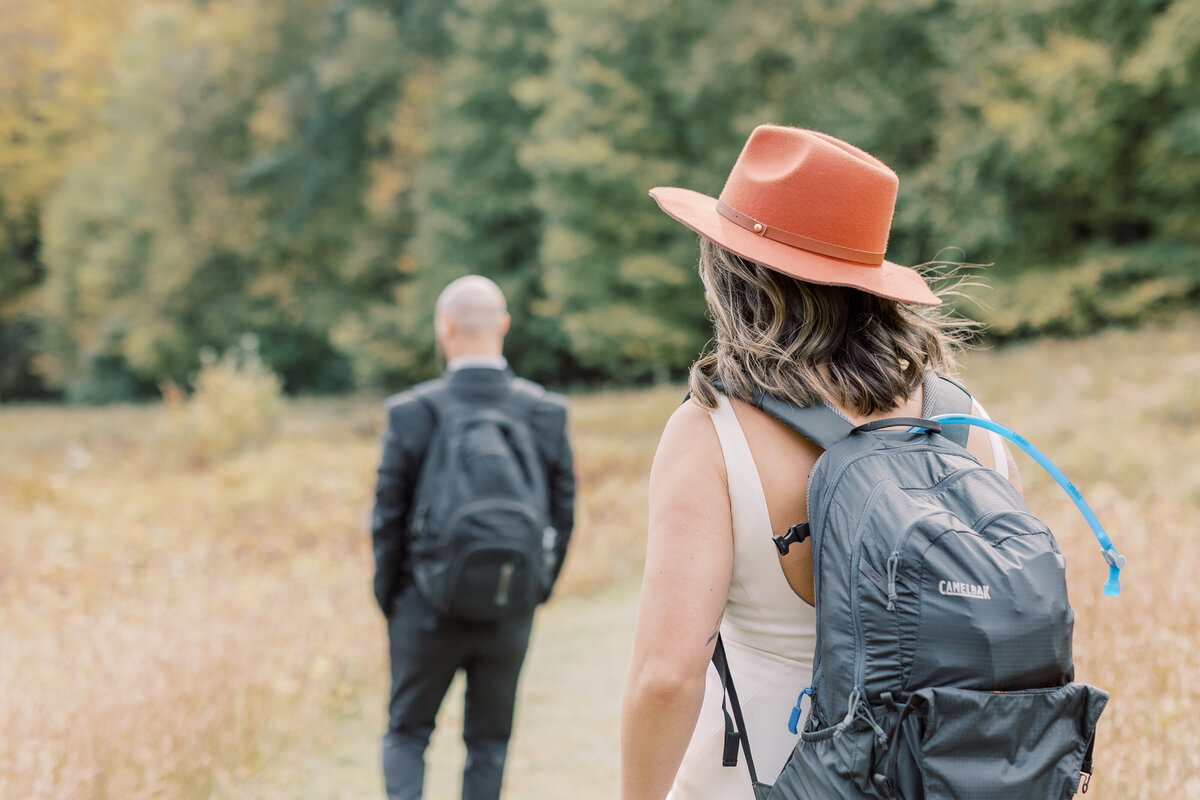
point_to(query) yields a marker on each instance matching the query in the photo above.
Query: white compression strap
(999, 453)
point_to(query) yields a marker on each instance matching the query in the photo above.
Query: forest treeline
(175, 174)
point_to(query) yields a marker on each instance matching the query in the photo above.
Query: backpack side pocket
(963, 744)
(833, 763)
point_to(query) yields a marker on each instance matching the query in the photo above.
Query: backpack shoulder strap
(825, 427)
(430, 394)
(524, 395)
(947, 396)
(519, 407)
(819, 424)
(527, 388)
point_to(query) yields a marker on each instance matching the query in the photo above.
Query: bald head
(471, 317)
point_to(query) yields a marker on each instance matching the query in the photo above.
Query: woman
(806, 308)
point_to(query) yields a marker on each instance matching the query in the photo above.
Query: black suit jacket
(410, 426)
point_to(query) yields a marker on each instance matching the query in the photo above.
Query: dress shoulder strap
(745, 486)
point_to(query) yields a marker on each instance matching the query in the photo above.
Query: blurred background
(222, 227)
(177, 173)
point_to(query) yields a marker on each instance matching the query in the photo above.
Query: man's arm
(399, 465)
(560, 475)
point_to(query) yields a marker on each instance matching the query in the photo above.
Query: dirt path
(565, 744)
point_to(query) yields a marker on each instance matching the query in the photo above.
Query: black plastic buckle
(795, 535)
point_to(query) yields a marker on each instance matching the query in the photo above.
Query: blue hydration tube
(1112, 587)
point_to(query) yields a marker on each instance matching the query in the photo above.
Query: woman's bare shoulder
(689, 441)
(689, 419)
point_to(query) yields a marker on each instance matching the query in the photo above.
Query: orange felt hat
(807, 205)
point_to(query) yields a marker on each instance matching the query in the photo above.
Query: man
(427, 647)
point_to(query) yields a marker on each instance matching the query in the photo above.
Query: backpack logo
(960, 589)
(504, 584)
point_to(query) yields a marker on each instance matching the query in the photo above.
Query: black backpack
(943, 668)
(482, 548)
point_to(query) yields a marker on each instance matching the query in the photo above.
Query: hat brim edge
(698, 212)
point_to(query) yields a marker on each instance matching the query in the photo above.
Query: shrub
(236, 403)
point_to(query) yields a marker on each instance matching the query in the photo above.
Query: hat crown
(814, 186)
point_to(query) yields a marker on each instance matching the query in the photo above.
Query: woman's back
(785, 460)
(769, 635)
(804, 307)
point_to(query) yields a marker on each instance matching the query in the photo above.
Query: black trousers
(426, 652)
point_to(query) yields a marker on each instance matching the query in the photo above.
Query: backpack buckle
(795, 535)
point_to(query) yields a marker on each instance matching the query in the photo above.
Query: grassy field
(204, 628)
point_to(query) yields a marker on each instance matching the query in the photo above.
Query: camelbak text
(958, 589)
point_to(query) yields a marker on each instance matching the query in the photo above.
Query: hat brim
(699, 212)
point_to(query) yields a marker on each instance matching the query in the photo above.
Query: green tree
(246, 183)
(475, 206)
(316, 172)
(1063, 157)
(145, 244)
(55, 61)
(645, 94)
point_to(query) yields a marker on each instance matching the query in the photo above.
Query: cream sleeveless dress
(769, 635)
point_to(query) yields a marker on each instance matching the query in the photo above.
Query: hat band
(864, 257)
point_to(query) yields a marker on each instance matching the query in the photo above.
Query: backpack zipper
(981, 524)
(816, 551)
(508, 505)
(893, 563)
(860, 647)
(893, 570)
(816, 559)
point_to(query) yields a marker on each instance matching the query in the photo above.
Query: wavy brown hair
(809, 342)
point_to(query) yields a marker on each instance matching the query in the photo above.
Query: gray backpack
(482, 547)
(943, 663)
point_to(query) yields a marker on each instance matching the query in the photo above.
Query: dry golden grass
(167, 630)
(1120, 414)
(173, 630)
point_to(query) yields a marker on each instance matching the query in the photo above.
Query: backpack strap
(825, 426)
(526, 393)
(431, 395)
(947, 396)
(1085, 771)
(819, 424)
(434, 397)
(735, 725)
